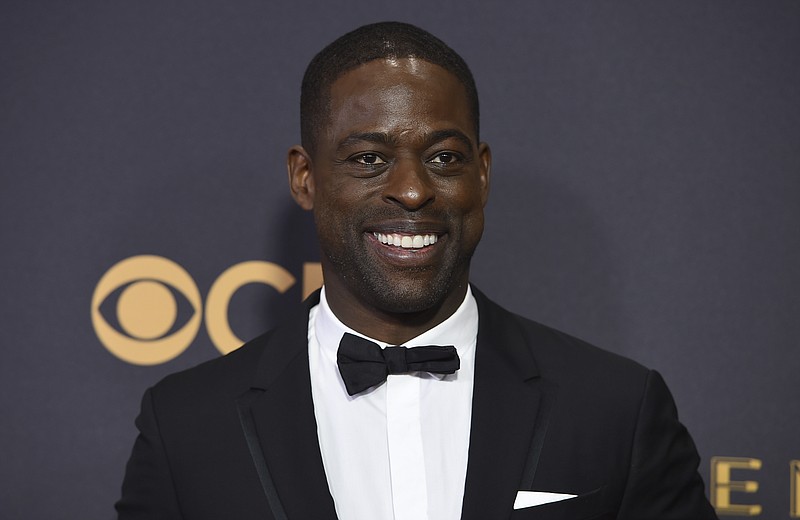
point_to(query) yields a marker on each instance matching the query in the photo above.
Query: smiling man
(397, 181)
(399, 391)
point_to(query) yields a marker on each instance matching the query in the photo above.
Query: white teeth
(406, 241)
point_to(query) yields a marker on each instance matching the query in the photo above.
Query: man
(502, 418)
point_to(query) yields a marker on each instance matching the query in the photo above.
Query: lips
(406, 241)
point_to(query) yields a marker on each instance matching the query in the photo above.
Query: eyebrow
(389, 140)
(441, 135)
(369, 137)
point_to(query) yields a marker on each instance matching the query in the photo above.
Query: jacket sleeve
(148, 491)
(663, 482)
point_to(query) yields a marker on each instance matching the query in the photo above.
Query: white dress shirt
(397, 451)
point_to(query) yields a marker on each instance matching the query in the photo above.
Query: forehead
(396, 95)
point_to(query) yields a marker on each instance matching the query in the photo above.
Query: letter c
(223, 289)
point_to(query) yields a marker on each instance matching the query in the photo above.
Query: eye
(369, 159)
(445, 158)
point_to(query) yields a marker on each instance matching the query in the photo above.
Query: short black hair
(383, 40)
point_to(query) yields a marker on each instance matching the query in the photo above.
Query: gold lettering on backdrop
(722, 486)
(794, 489)
(146, 310)
(220, 294)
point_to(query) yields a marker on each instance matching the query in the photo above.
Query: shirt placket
(406, 458)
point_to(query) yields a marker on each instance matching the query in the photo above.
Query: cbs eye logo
(151, 291)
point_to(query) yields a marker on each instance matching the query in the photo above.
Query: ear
(485, 159)
(301, 180)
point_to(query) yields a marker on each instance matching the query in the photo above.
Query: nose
(409, 185)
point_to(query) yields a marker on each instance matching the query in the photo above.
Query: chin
(399, 295)
(405, 303)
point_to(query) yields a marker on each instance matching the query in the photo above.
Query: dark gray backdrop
(645, 197)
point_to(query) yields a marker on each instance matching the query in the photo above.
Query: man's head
(384, 40)
(397, 181)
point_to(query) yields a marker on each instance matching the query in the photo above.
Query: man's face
(397, 184)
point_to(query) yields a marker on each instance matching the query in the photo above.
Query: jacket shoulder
(556, 348)
(219, 378)
(554, 351)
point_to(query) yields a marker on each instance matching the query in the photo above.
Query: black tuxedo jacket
(236, 438)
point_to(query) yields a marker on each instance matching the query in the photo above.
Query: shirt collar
(459, 330)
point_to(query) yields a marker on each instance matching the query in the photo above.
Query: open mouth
(406, 241)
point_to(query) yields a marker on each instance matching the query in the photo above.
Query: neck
(391, 327)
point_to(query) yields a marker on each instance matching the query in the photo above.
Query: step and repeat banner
(645, 197)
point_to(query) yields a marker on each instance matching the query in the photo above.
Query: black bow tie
(364, 364)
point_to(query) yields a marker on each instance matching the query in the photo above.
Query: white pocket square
(537, 498)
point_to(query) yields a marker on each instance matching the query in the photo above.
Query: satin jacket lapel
(277, 416)
(510, 408)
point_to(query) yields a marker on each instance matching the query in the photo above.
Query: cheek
(473, 224)
(468, 199)
(325, 218)
(334, 218)
(471, 206)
